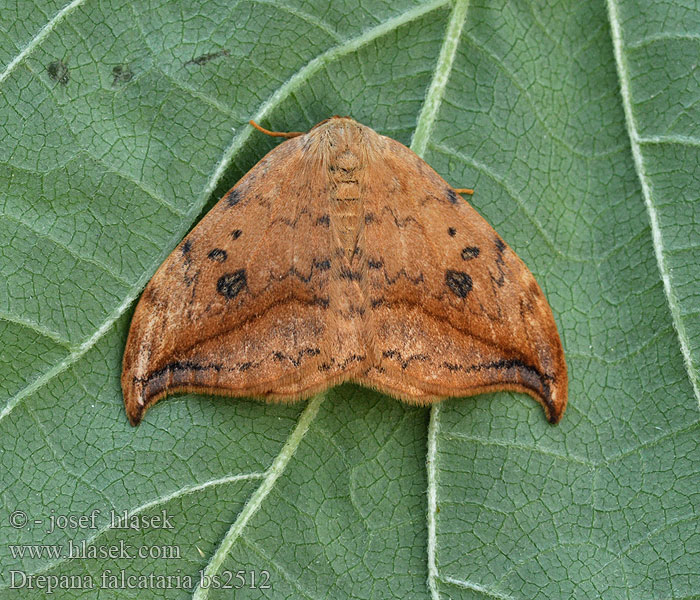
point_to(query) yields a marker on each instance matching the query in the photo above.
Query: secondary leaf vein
(657, 235)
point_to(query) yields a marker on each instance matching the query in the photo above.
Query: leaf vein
(255, 501)
(39, 37)
(184, 491)
(63, 246)
(508, 445)
(657, 234)
(475, 587)
(293, 581)
(443, 68)
(37, 328)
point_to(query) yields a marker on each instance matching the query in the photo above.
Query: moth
(342, 256)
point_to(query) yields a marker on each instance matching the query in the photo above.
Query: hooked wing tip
(135, 409)
(554, 399)
(134, 416)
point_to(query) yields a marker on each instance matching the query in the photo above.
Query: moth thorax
(346, 176)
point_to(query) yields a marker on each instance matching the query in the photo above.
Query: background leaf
(577, 123)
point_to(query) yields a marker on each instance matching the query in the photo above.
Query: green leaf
(577, 123)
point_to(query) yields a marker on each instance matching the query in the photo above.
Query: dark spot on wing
(178, 366)
(187, 276)
(233, 197)
(236, 233)
(231, 284)
(459, 282)
(375, 264)
(350, 275)
(321, 301)
(322, 265)
(405, 362)
(218, 254)
(324, 220)
(470, 252)
(340, 365)
(296, 361)
(369, 218)
(452, 196)
(452, 231)
(500, 262)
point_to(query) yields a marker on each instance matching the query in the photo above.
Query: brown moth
(342, 256)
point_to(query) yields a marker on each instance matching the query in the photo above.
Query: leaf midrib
(156, 502)
(657, 235)
(419, 143)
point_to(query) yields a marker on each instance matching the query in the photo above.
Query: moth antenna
(468, 191)
(284, 134)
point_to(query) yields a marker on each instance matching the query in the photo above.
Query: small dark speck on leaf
(58, 71)
(121, 74)
(205, 58)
